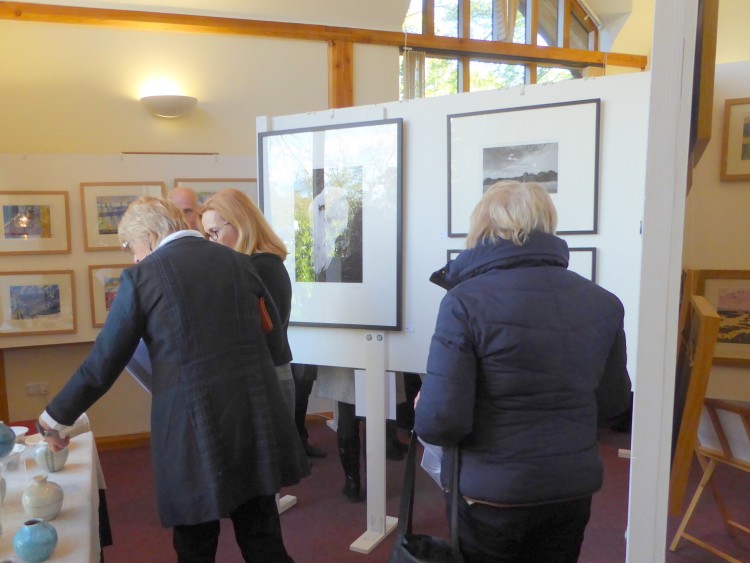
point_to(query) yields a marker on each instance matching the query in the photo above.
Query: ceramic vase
(49, 460)
(7, 440)
(35, 541)
(42, 498)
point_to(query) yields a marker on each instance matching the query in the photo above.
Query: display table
(77, 524)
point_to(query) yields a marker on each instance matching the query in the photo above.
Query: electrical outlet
(33, 389)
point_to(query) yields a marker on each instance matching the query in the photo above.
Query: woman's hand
(52, 437)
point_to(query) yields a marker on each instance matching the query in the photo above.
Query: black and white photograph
(555, 145)
(521, 163)
(333, 195)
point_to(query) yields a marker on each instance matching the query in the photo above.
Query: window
(458, 69)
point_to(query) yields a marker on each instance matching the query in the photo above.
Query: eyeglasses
(126, 246)
(213, 234)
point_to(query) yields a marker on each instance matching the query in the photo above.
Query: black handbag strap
(407, 498)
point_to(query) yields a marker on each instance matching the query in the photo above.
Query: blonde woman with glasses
(230, 218)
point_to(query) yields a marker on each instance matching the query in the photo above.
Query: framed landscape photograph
(204, 187)
(37, 303)
(735, 142)
(104, 281)
(104, 205)
(333, 195)
(555, 145)
(35, 223)
(728, 291)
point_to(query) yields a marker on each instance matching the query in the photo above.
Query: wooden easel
(723, 437)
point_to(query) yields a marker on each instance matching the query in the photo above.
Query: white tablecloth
(77, 524)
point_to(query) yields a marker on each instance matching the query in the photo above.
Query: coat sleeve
(445, 411)
(613, 393)
(112, 350)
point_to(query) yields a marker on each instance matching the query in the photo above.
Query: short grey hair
(512, 211)
(150, 215)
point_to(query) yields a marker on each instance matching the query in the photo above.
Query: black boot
(349, 453)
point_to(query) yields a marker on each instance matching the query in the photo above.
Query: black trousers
(256, 528)
(304, 378)
(550, 533)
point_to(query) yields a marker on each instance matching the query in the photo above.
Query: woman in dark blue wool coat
(222, 439)
(526, 359)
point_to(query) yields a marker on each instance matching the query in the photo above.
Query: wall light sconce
(169, 106)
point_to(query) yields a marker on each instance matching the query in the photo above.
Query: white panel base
(371, 539)
(285, 503)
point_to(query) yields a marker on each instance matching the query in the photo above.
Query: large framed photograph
(37, 303)
(104, 205)
(333, 194)
(35, 223)
(205, 187)
(104, 281)
(735, 142)
(555, 145)
(728, 291)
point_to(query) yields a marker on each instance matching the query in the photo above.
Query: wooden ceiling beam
(159, 21)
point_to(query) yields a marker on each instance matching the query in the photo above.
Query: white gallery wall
(624, 112)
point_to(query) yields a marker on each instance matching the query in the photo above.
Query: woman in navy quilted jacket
(526, 359)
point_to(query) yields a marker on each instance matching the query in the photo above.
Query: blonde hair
(512, 211)
(254, 234)
(147, 215)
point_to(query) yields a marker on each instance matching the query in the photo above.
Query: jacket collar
(540, 249)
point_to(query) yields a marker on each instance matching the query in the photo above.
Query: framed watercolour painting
(104, 281)
(204, 187)
(333, 195)
(35, 223)
(728, 291)
(37, 303)
(104, 205)
(735, 141)
(555, 145)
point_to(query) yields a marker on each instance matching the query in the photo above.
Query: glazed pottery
(35, 541)
(49, 460)
(7, 440)
(3, 487)
(42, 498)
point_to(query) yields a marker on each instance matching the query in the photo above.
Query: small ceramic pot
(7, 440)
(35, 541)
(49, 460)
(42, 498)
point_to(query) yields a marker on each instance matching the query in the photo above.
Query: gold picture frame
(103, 206)
(34, 223)
(36, 303)
(104, 281)
(728, 291)
(735, 141)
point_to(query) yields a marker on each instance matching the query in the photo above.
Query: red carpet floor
(320, 528)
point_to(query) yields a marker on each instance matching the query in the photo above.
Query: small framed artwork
(728, 291)
(37, 303)
(735, 142)
(583, 262)
(204, 187)
(333, 195)
(555, 145)
(104, 281)
(104, 205)
(35, 223)
(452, 254)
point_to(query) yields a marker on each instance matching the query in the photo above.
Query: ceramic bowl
(20, 433)
(33, 440)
